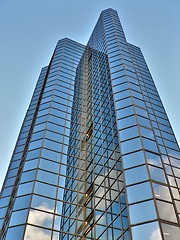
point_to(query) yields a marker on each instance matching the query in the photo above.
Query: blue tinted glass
(48, 177)
(45, 189)
(55, 127)
(136, 175)
(146, 231)
(119, 80)
(157, 174)
(121, 95)
(52, 145)
(139, 192)
(59, 207)
(30, 164)
(144, 121)
(39, 127)
(15, 233)
(120, 87)
(123, 103)
(131, 145)
(147, 133)
(139, 102)
(142, 212)
(55, 136)
(33, 154)
(49, 165)
(129, 133)
(43, 203)
(37, 135)
(4, 201)
(127, 122)
(25, 188)
(125, 112)
(153, 159)
(28, 176)
(150, 145)
(3, 212)
(35, 144)
(55, 156)
(22, 202)
(133, 159)
(7, 191)
(18, 217)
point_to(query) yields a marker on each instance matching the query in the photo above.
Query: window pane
(127, 122)
(43, 203)
(49, 165)
(133, 159)
(166, 211)
(150, 145)
(18, 217)
(25, 188)
(148, 231)
(37, 233)
(142, 212)
(161, 192)
(157, 174)
(40, 218)
(129, 133)
(45, 189)
(22, 202)
(153, 159)
(170, 232)
(136, 175)
(15, 233)
(131, 145)
(47, 177)
(139, 192)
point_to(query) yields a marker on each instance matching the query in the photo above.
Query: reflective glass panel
(157, 174)
(15, 233)
(139, 192)
(142, 212)
(153, 159)
(166, 211)
(136, 175)
(18, 217)
(161, 192)
(148, 231)
(133, 159)
(40, 218)
(22, 202)
(131, 145)
(43, 203)
(33, 233)
(170, 232)
(45, 189)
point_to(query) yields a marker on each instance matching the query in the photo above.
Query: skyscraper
(96, 157)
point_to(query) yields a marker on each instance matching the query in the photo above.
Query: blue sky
(31, 29)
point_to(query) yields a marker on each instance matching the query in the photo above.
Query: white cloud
(33, 233)
(152, 161)
(156, 235)
(39, 218)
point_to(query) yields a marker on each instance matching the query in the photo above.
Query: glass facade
(96, 157)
